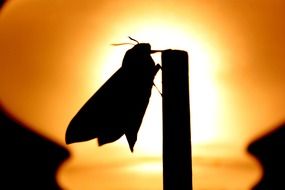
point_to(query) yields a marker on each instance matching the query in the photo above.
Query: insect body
(118, 107)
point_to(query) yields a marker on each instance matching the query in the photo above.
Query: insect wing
(101, 115)
(118, 107)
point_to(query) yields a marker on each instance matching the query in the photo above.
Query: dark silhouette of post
(177, 162)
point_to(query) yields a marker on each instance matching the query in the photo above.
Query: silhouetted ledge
(28, 161)
(269, 151)
(2, 2)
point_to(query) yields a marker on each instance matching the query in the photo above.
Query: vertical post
(177, 161)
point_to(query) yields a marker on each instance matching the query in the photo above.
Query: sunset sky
(56, 53)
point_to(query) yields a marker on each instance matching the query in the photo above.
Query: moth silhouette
(118, 107)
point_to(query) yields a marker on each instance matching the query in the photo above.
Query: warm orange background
(56, 53)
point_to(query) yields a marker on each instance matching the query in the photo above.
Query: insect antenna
(133, 39)
(120, 44)
(127, 43)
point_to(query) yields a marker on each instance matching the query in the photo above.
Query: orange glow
(56, 54)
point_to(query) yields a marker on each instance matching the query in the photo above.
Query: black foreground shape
(118, 107)
(28, 160)
(269, 151)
